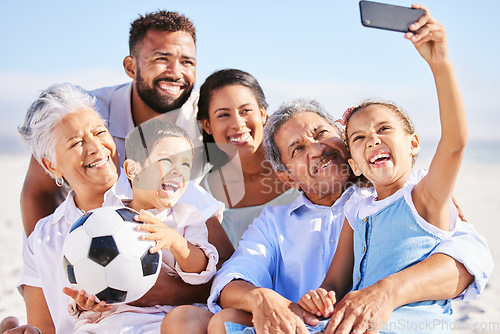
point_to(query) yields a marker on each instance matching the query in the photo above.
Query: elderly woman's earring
(59, 182)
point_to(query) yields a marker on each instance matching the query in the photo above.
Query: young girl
(407, 214)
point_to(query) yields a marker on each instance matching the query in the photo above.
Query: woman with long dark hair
(232, 110)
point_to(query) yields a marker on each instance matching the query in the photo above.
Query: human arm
(37, 196)
(438, 277)
(469, 248)
(189, 257)
(338, 279)
(218, 237)
(257, 263)
(37, 311)
(31, 281)
(271, 312)
(431, 195)
(212, 211)
(169, 290)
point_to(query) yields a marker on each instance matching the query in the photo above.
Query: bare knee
(216, 325)
(187, 319)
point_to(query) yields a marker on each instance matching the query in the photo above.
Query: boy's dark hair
(141, 140)
(160, 21)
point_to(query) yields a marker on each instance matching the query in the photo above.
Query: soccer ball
(104, 255)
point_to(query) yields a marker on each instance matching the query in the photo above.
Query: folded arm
(435, 278)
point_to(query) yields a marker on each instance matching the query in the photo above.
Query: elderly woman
(70, 140)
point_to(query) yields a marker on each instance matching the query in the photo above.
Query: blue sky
(311, 49)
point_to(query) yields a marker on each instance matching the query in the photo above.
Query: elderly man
(287, 250)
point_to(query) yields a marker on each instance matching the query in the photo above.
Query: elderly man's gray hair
(47, 111)
(284, 113)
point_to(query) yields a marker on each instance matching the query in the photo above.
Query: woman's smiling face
(85, 153)
(235, 120)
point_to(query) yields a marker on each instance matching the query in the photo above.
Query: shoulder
(272, 217)
(277, 210)
(105, 96)
(43, 224)
(105, 93)
(415, 177)
(359, 197)
(46, 228)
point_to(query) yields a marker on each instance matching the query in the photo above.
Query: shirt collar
(121, 189)
(67, 210)
(302, 200)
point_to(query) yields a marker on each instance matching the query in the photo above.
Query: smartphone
(388, 17)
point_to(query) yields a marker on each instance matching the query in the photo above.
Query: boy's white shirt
(186, 220)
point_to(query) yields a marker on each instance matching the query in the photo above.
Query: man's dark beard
(159, 103)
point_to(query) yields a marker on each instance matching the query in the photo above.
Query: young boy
(159, 157)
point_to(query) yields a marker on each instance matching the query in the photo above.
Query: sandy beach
(476, 192)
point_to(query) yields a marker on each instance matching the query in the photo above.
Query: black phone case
(388, 17)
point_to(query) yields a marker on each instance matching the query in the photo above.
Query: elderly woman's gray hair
(284, 113)
(45, 114)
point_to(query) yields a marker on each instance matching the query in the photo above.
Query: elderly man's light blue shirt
(287, 249)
